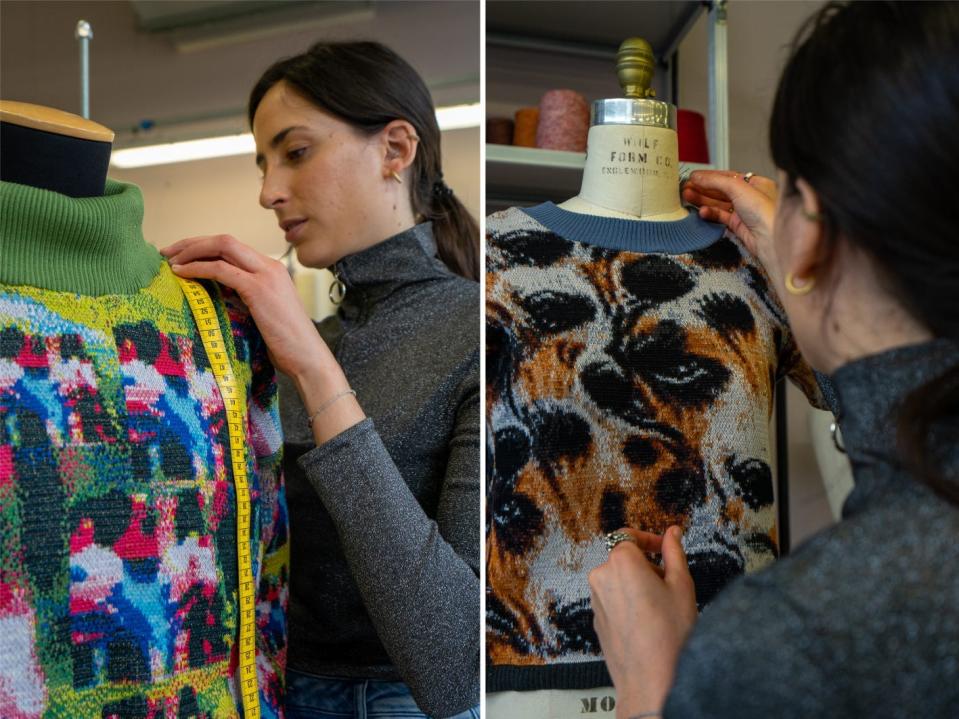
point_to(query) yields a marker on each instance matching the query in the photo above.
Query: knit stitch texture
(624, 388)
(118, 594)
(386, 512)
(92, 245)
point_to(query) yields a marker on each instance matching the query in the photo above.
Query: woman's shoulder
(441, 316)
(862, 585)
(453, 315)
(903, 529)
(452, 293)
(820, 626)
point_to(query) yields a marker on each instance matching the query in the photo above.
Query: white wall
(759, 35)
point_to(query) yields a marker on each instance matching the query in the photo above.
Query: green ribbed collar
(89, 245)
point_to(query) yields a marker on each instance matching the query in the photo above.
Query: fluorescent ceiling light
(184, 151)
(453, 117)
(456, 117)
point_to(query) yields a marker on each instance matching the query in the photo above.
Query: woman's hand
(294, 345)
(746, 208)
(643, 615)
(265, 287)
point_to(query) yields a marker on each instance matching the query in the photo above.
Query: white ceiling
(141, 76)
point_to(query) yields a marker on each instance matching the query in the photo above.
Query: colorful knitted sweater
(118, 592)
(630, 374)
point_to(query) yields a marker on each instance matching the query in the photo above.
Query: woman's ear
(807, 242)
(400, 142)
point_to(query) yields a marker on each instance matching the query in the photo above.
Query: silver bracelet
(325, 405)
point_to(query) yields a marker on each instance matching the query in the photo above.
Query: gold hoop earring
(804, 290)
(397, 177)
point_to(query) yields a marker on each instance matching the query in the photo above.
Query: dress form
(53, 150)
(632, 156)
(632, 173)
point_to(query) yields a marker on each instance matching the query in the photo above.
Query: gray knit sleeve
(418, 577)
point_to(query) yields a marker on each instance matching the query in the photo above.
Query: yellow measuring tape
(235, 403)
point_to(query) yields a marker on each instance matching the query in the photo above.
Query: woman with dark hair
(862, 620)
(380, 408)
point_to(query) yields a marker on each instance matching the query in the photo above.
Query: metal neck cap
(627, 111)
(635, 65)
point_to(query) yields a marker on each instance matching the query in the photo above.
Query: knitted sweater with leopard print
(630, 374)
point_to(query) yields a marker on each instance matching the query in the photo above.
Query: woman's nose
(272, 193)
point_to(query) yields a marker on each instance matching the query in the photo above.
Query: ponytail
(455, 231)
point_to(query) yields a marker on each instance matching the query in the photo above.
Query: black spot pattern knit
(630, 374)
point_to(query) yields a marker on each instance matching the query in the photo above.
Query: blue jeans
(316, 697)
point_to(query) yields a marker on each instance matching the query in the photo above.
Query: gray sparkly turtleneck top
(384, 518)
(863, 619)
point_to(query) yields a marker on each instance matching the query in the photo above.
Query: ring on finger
(614, 538)
(748, 176)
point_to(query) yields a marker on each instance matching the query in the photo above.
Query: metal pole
(782, 469)
(718, 87)
(84, 34)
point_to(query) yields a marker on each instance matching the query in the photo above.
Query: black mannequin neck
(68, 165)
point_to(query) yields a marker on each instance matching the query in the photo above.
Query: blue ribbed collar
(686, 235)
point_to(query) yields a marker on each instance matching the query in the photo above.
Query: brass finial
(635, 65)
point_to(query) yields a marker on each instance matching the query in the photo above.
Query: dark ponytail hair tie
(441, 190)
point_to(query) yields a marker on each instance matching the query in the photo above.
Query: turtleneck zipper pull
(337, 288)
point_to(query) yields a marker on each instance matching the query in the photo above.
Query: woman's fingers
(649, 545)
(177, 247)
(646, 541)
(656, 568)
(295, 347)
(696, 194)
(215, 247)
(730, 187)
(716, 214)
(750, 211)
(713, 183)
(692, 196)
(218, 270)
(732, 174)
(674, 558)
(211, 247)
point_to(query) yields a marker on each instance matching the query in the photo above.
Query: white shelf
(528, 174)
(573, 46)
